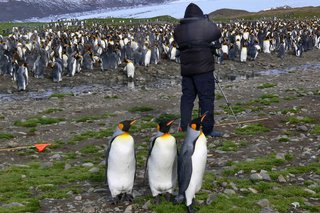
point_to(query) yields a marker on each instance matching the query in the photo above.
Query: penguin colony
(164, 165)
(65, 49)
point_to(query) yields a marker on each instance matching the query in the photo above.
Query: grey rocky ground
(158, 87)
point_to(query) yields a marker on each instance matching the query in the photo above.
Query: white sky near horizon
(176, 8)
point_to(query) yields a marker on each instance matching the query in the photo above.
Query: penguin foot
(168, 197)
(116, 200)
(191, 209)
(127, 197)
(178, 199)
(157, 200)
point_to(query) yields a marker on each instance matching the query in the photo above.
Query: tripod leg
(228, 103)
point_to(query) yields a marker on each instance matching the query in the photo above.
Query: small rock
(129, 209)
(254, 191)
(147, 205)
(263, 203)
(87, 164)
(45, 165)
(88, 209)
(310, 191)
(302, 128)
(281, 156)
(265, 175)
(67, 166)
(256, 176)
(13, 204)
(56, 157)
(94, 170)
(78, 198)
(229, 191)
(211, 198)
(281, 179)
(295, 204)
(101, 190)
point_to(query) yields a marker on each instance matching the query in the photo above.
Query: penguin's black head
(164, 126)
(125, 125)
(197, 122)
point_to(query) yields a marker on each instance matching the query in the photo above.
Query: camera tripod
(225, 98)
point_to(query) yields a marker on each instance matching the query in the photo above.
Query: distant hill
(281, 12)
(228, 13)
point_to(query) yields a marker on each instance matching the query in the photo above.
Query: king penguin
(121, 163)
(129, 69)
(191, 163)
(162, 162)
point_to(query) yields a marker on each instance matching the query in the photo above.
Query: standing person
(194, 36)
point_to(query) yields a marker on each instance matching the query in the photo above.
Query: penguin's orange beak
(203, 116)
(170, 122)
(133, 122)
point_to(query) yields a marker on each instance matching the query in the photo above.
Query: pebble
(281, 156)
(78, 198)
(94, 170)
(13, 204)
(254, 191)
(281, 179)
(310, 191)
(256, 176)
(229, 191)
(265, 176)
(211, 198)
(88, 164)
(129, 209)
(263, 203)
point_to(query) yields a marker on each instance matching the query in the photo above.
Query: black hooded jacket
(194, 35)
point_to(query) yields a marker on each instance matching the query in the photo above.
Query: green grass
(91, 134)
(316, 130)
(35, 121)
(283, 140)
(90, 149)
(229, 145)
(291, 110)
(7, 136)
(141, 109)
(266, 85)
(300, 120)
(60, 95)
(52, 110)
(91, 118)
(167, 117)
(40, 183)
(237, 108)
(266, 163)
(251, 129)
(268, 99)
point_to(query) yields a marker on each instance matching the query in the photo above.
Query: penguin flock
(165, 166)
(66, 49)
(245, 40)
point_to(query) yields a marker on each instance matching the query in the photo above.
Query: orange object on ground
(41, 146)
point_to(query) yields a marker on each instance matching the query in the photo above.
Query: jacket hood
(193, 10)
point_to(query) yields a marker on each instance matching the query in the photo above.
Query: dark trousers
(203, 86)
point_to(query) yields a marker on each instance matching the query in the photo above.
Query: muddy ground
(295, 81)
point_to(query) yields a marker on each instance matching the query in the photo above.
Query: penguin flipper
(184, 170)
(149, 153)
(107, 157)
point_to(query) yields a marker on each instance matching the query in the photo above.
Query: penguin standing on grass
(191, 163)
(162, 162)
(121, 163)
